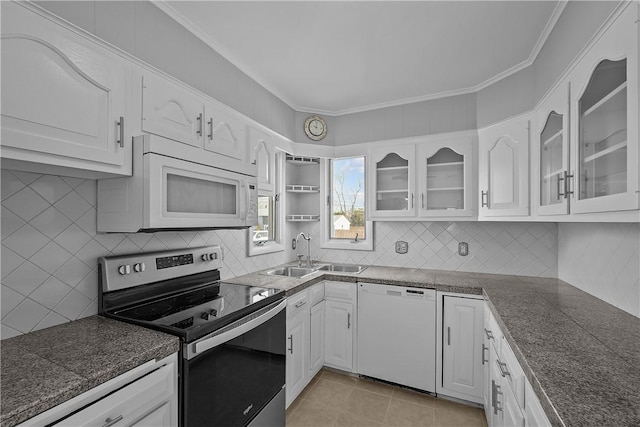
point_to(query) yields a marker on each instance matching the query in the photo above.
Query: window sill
(348, 245)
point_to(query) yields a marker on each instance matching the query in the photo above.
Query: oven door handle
(216, 340)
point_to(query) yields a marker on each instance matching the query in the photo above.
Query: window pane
(266, 228)
(348, 198)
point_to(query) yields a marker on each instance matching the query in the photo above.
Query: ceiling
(338, 57)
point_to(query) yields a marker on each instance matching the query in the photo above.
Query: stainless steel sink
(291, 271)
(343, 268)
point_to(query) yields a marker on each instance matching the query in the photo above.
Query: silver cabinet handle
(411, 200)
(503, 368)
(422, 199)
(348, 320)
(560, 193)
(484, 348)
(301, 303)
(290, 338)
(120, 140)
(496, 406)
(210, 123)
(484, 199)
(199, 119)
(567, 185)
(109, 422)
(489, 334)
(448, 335)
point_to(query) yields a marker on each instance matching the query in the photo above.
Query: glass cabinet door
(552, 161)
(392, 179)
(602, 139)
(445, 181)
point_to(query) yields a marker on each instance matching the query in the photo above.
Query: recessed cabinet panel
(504, 169)
(63, 97)
(171, 111)
(263, 155)
(224, 133)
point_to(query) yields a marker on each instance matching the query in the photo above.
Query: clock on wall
(315, 127)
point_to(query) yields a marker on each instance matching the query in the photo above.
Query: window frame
(276, 245)
(326, 196)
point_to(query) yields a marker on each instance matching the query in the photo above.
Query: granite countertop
(580, 354)
(44, 368)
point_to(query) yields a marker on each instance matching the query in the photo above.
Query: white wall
(50, 249)
(603, 260)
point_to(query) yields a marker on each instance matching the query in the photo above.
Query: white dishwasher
(397, 334)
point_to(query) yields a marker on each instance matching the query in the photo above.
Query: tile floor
(335, 399)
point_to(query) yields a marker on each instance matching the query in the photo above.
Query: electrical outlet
(402, 247)
(463, 249)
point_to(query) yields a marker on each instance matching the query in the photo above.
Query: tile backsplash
(50, 247)
(526, 248)
(602, 259)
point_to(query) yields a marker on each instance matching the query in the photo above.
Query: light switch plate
(402, 247)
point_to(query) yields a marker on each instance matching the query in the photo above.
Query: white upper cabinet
(445, 178)
(172, 112)
(392, 182)
(264, 157)
(551, 154)
(63, 99)
(224, 133)
(604, 120)
(504, 168)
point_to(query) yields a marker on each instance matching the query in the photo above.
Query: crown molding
(168, 9)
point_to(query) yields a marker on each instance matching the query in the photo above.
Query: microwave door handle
(216, 340)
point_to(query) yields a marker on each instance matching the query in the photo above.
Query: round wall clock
(315, 127)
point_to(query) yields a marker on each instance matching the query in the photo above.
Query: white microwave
(172, 188)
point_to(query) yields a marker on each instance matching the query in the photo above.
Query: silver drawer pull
(348, 320)
(109, 422)
(489, 334)
(483, 350)
(300, 304)
(503, 368)
(291, 340)
(120, 140)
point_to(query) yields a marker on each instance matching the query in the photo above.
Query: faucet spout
(306, 237)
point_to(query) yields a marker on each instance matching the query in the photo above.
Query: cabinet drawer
(297, 303)
(131, 403)
(341, 291)
(316, 293)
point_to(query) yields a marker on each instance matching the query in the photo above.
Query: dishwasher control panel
(398, 291)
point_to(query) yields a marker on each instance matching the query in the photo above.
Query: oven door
(182, 194)
(237, 374)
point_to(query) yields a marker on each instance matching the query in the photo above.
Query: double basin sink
(300, 272)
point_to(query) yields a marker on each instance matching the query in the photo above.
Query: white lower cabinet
(305, 339)
(340, 325)
(461, 347)
(144, 396)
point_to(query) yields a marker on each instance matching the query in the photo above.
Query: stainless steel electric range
(232, 364)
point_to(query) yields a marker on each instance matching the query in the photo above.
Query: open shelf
(302, 160)
(294, 188)
(303, 218)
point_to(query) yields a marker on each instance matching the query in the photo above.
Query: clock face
(315, 128)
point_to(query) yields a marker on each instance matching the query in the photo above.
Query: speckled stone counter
(580, 354)
(45, 368)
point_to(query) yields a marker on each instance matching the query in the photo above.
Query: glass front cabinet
(445, 178)
(604, 121)
(392, 182)
(551, 133)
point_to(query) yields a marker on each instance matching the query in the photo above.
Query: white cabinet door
(317, 339)
(170, 111)
(462, 328)
(63, 97)
(504, 169)
(264, 157)
(339, 322)
(551, 154)
(445, 178)
(297, 354)
(392, 182)
(225, 133)
(604, 120)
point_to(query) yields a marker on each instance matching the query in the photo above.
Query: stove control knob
(205, 257)
(213, 256)
(124, 269)
(208, 314)
(139, 267)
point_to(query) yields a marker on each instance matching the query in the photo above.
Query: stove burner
(151, 311)
(184, 324)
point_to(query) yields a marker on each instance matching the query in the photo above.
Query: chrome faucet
(306, 237)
